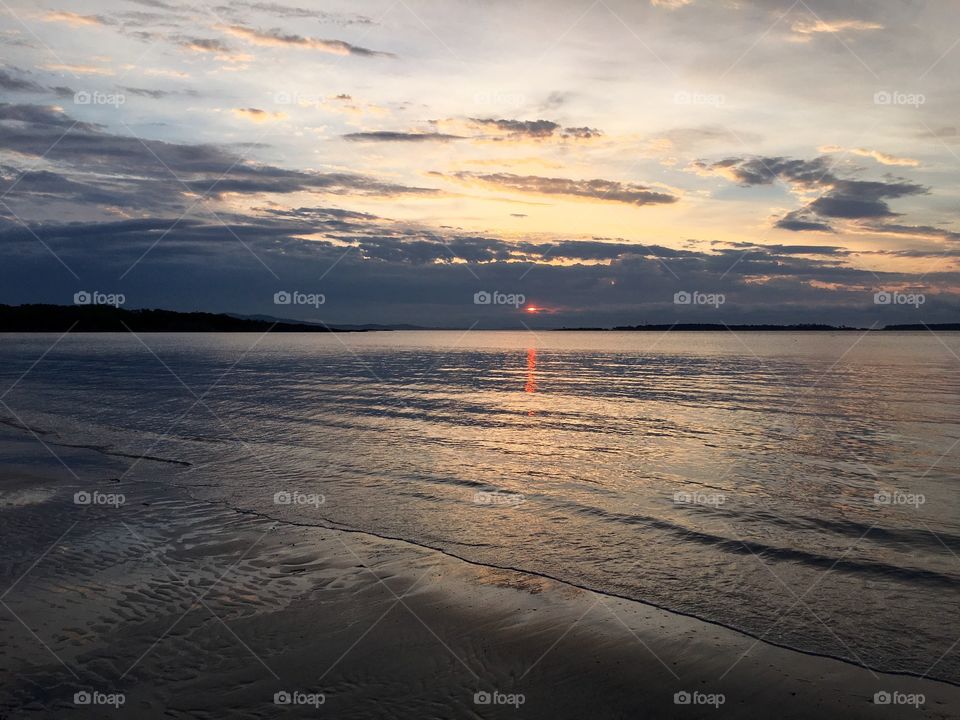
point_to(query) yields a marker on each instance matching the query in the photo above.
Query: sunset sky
(399, 156)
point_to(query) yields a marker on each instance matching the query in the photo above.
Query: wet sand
(191, 609)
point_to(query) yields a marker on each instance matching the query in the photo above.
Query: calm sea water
(800, 487)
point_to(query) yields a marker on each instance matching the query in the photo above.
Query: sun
(532, 309)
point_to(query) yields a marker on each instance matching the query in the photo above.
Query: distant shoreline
(107, 318)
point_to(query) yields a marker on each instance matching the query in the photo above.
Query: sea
(799, 487)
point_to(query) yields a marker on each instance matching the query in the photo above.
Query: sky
(485, 163)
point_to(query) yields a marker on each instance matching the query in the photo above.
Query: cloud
(531, 129)
(100, 171)
(880, 157)
(15, 84)
(816, 26)
(156, 94)
(71, 18)
(274, 38)
(841, 198)
(205, 45)
(388, 136)
(395, 272)
(800, 220)
(259, 116)
(79, 69)
(599, 190)
(288, 11)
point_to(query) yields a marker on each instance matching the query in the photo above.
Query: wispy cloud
(817, 26)
(597, 190)
(881, 157)
(79, 69)
(275, 38)
(388, 136)
(75, 19)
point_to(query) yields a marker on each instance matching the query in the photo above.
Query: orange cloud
(74, 19)
(881, 157)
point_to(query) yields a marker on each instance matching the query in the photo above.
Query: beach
(189, 608)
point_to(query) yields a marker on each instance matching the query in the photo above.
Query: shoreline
(332, 525)
(497, 629)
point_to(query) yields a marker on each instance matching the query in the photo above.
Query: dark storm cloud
(842, 198)
(388, 136)
(604, 190)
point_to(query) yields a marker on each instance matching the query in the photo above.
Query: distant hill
(943, 327)
(339, 326)
(106, 318)
(713, 327)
